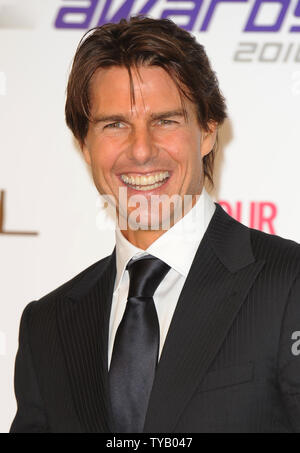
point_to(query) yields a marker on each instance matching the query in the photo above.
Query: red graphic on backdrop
(259, 214)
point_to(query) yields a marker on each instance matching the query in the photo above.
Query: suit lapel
(222, 273)
(84, 321)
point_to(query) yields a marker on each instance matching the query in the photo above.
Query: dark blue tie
(136, 347)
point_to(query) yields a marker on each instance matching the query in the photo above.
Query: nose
(142, 148)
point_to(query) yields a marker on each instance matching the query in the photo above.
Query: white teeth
(145, 182)
(143, 188)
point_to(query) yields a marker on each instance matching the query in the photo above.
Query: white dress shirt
(176, 247)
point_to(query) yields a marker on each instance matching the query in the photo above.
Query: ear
(86, 153)
(209, 138)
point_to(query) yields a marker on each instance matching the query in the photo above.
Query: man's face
(150, 149)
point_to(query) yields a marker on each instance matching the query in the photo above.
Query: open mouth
(143, 183)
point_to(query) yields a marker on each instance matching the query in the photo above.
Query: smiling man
(155, 147)
(192, 323)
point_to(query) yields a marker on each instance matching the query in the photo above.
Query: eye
(113, 125)
(166, 122)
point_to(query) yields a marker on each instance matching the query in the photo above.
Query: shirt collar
(177, 246)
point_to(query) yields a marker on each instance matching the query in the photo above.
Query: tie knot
(145, 275)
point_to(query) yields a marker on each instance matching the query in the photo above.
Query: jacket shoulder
(276, 250)
(89, 275)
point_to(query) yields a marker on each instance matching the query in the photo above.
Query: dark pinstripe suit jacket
(230, 363)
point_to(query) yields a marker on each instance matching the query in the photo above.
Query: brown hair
(145, 41)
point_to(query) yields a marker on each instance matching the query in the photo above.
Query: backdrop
(52, 224)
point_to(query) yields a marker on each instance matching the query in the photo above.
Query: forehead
(154, 90)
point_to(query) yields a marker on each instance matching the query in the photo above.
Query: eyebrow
(153, 116)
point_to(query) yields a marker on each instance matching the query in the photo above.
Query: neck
(144, 238)
(141, 238)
